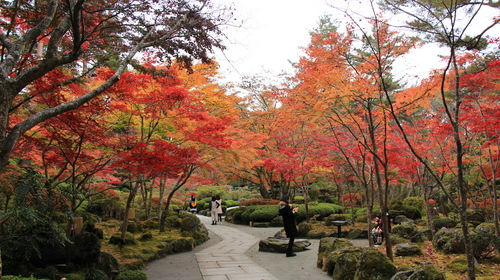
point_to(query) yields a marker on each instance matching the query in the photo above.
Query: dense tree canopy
(97, 96)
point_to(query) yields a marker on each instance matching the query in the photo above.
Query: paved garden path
(233, 253)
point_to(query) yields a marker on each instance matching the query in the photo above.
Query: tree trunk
(494, 193)
(128, 206)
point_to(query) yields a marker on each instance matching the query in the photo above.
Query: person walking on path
(213, 210)
(289, 215)
(219, 209)
(192, 205)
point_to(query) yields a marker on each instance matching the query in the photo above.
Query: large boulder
(407, 249)
(374, 265)
(427, 272)
(328, 245)
(108, 263)
(342, 263)
(450, 241)
(405, 230)
(280, 245)
(303, 229)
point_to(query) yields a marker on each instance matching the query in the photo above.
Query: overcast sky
(273, 32)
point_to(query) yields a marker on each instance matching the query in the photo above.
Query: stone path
(226, 259)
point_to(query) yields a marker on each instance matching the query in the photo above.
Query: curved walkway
(233, 253)
(227, 259)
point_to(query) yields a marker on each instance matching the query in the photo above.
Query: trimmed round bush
(409, 211)
(132, 275)
(245, 216)
(326, 209)
(417, 202)
(259, 201)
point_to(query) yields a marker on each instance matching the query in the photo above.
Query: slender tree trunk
(494, 191)
(128, 206)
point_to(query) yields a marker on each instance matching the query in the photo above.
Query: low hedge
(264, 214)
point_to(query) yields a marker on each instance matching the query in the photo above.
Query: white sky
(273, 31)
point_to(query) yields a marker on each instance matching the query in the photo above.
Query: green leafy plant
(132, 275)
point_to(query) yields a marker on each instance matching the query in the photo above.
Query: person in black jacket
(289, 215)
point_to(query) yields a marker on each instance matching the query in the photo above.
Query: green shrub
(231, 203)
(417, 202)
(92, 273)
(235, 215)
(326, 199)
(264, 214)
(10, 277)
(484, 244)
(259, 201)
(173, 221)
(132, 275)
(440, 223)
(475, 217)
(49, 272)
(245, 216)
(298, 199)
(325, 209)
(361, 219)
(409, 211)
(362, 212)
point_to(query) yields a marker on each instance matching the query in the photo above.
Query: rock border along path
(226, 260)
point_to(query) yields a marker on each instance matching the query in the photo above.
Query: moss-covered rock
(133, 227)
(427, 272)
(450, 241)
(146, 236)
(303, 229)
(328, 245)
(374, 265)
(486, 227)
(343, 263)
(407, 249)
(108, 262)
(281, 245)
(183, 244)
(116, 239)
(405, 230)
(261, 224)
(316, 234)
(173, 221)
